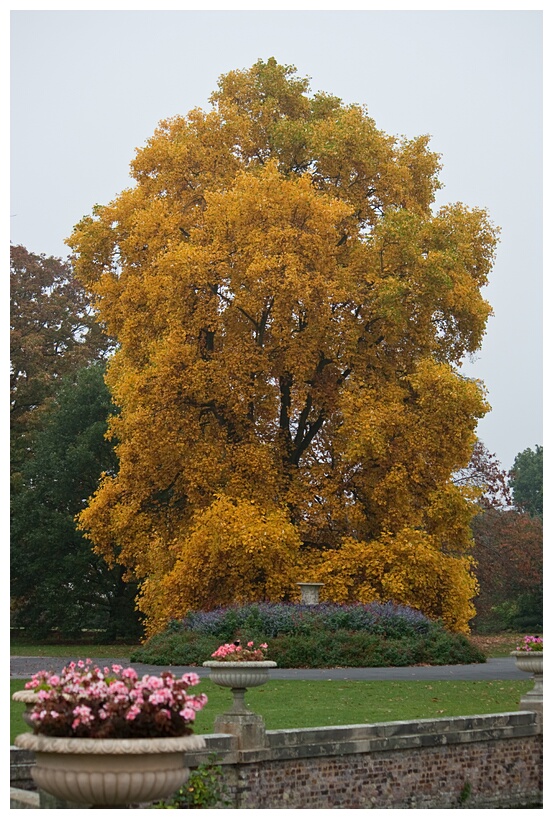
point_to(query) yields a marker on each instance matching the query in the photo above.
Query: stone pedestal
(248, 728)
(532, 663)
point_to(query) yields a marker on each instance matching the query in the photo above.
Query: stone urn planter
(532, 663)
(239, 676)
(247, 727)
(110, 772)
(30, 698)
(310, 593)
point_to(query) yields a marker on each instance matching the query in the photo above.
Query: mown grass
(320, 703)
(73, 650)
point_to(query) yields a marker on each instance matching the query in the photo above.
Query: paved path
(502, 668)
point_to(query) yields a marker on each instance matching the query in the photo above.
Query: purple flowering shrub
(274, 619)
(113, 703)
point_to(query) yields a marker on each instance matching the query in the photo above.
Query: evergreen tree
(58, 582)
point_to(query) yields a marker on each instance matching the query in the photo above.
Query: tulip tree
(291, 312)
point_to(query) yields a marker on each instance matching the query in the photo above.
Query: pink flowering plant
(531, 644)
(236, 652)
(113, 703)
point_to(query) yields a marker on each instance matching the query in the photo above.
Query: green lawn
(76, 651)
(295, 704)
(307, 704)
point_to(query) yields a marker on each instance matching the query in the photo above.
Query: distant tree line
(508, 542)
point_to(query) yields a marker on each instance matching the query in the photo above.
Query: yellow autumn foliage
(290, 314)
(408, 567)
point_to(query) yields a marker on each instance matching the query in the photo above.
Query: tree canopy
(526, 481)
(508, 549)
(290, 312)
(53, 331)
(56, 579)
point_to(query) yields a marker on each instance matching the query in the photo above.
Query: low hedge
(323, 636)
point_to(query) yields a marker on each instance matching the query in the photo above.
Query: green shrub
(203, 789)
(317, 648)
(176, 648)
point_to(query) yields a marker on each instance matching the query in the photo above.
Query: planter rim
(526, 653)
(26, 696)
(87, 745)
(240, 664)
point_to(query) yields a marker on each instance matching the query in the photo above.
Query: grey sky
(88, 88)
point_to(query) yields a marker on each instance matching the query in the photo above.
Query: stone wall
(489, 761)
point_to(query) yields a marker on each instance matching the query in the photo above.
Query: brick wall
(489, 761)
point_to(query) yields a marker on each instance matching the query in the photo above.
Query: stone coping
(355, 739)
(386, 736)
(20, 798)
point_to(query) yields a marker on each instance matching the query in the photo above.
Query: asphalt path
(501, 668)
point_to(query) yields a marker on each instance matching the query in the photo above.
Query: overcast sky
(89, 87)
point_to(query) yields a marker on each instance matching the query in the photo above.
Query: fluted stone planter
(532, 663)
(110, 772)
(239, 720)
(30, 698)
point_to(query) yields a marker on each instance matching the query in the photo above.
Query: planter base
(531, 662)
(531, 702)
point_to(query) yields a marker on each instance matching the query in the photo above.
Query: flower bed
(319, 636)
(85, 701)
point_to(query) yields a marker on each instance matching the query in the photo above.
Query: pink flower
(84, 713)
(161, 696)
(129, 674)
(197, 702)
(132, 713)
(190, 679)
(188, 714)
(152, 682)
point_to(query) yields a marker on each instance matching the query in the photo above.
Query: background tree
(290, 315)
(526, 481)
(52, 332)
(508, 549)
(57, 580)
